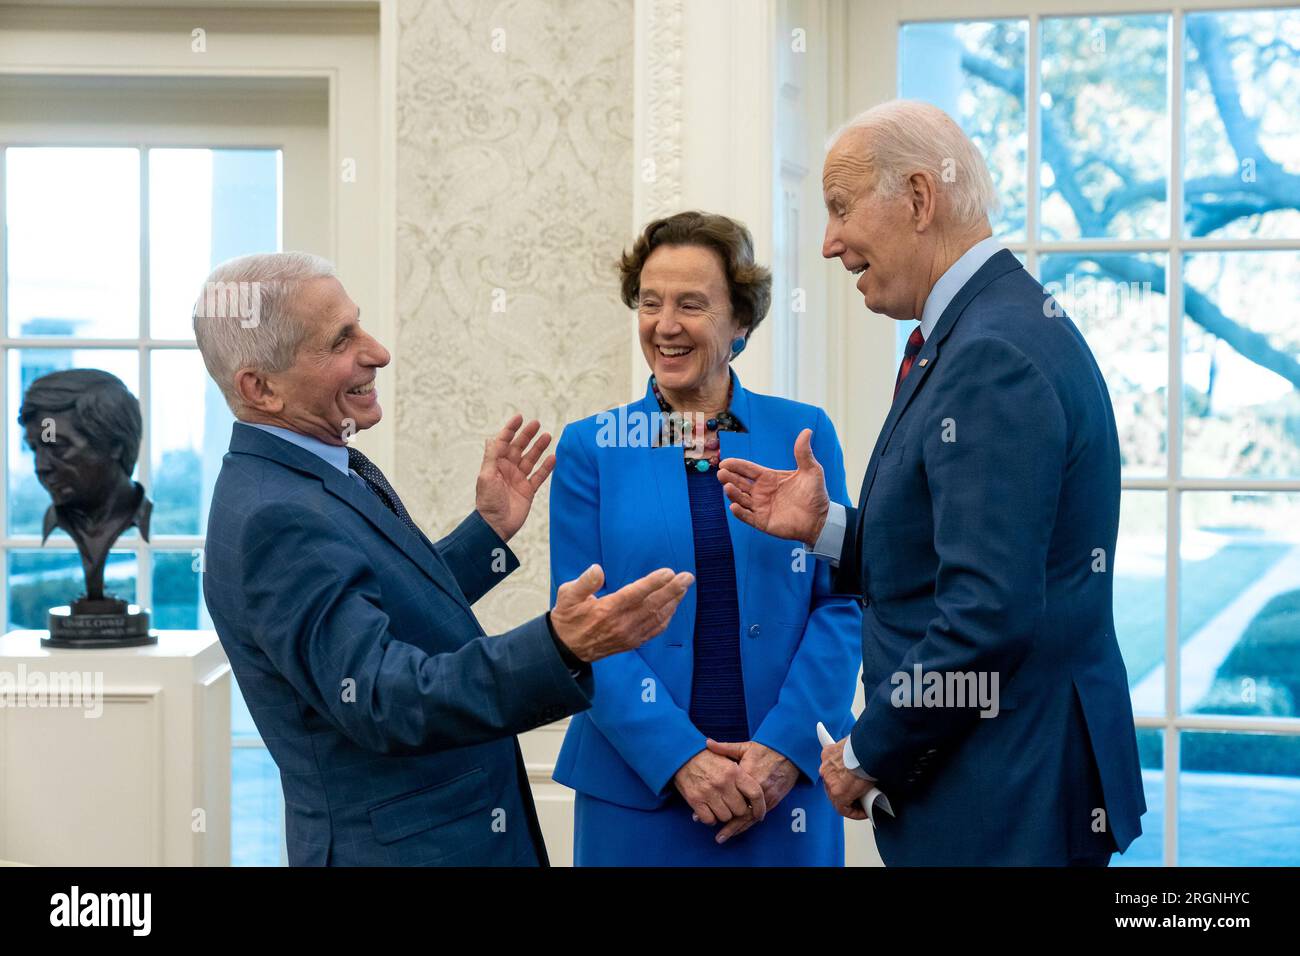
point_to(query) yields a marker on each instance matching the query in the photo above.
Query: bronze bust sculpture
(84, 427)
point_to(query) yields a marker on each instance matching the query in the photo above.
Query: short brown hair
(750, 284)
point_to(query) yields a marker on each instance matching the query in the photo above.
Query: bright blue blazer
(627, 509)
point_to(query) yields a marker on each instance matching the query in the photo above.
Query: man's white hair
(244, 315)
(901, 137)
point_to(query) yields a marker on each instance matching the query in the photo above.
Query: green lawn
(1207, 587)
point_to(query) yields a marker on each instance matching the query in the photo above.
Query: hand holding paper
(873, 796)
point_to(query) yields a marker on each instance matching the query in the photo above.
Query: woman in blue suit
(701, 747)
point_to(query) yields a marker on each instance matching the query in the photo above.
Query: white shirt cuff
(873, 797)
(830, 543)
(851, 760)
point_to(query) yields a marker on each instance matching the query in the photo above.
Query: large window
(105, 251)
(1149, 172)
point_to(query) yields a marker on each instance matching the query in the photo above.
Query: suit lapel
(998, 265)
(739, 445)
(247, 440)
(925, 361)
(665, 474)
(670, 484)
(665, 466)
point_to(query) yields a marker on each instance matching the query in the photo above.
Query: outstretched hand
(595, 627)
(785, 504)
(510, 475)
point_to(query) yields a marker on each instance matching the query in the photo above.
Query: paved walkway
(1226, 819)
(1202, 654)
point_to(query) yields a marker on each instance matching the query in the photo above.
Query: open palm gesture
(510, 476)
(785, 504)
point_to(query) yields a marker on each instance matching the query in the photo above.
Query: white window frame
(135, 133)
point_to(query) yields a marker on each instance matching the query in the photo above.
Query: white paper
(871, 797)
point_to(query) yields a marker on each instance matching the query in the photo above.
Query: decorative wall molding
(514, 141)
(659, 113)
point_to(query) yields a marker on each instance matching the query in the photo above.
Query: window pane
(1104, 127)
(1239, 799)
(1242, 113)
(1118, 302)
(1140, 596)
(257, 808)
(1241, 336)
(1149, 848)
(975, 72)
(205, 206)
(176, 597)
(189, 433)
(41, 579)
(1239, 603)
(73, 243)
(27, 499)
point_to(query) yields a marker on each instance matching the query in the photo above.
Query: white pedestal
(116, 757)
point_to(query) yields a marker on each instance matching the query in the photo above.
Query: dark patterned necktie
(914, 343)
(374, 478)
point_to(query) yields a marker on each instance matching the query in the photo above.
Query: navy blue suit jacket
(388, 711)
(984, 542)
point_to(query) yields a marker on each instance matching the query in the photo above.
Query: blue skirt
(802, 830)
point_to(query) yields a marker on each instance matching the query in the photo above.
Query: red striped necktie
(914, 343)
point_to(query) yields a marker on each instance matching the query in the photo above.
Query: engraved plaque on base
(108, 622)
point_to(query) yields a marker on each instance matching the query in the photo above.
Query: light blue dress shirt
(830, 543)
(336, 455)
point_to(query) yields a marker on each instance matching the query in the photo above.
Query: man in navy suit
(391, 715)
(998, 722)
